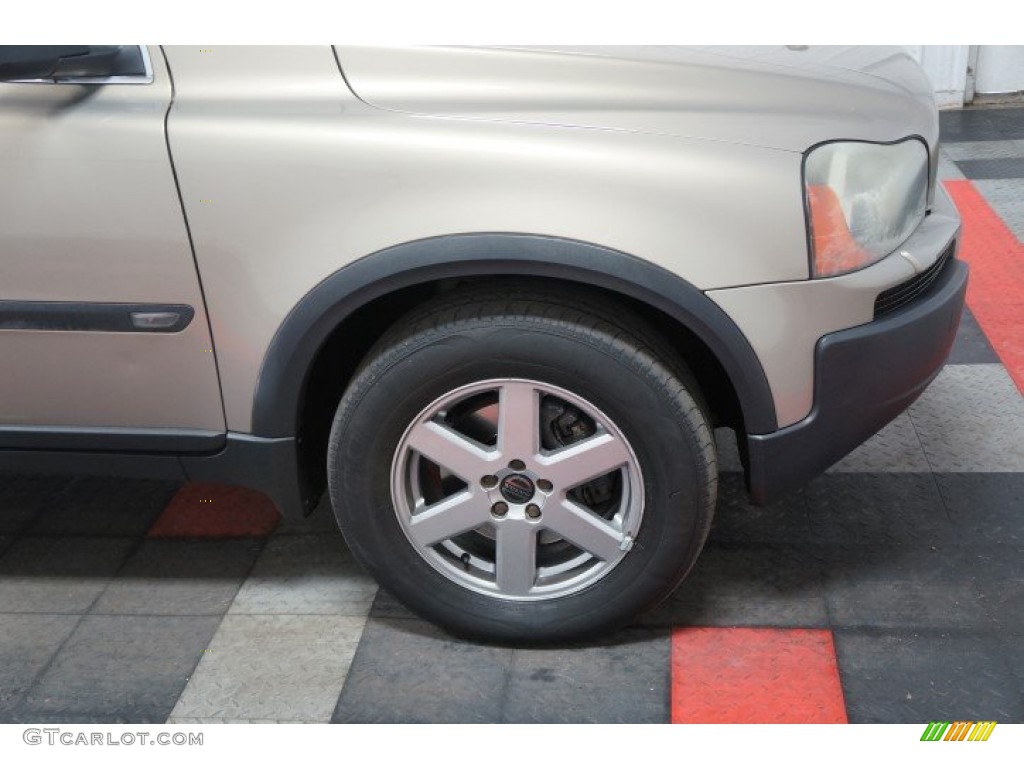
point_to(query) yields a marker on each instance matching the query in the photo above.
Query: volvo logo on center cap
(517, 489)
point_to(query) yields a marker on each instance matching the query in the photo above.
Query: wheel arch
(397, 271)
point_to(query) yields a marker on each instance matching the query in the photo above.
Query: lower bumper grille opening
(898, 296)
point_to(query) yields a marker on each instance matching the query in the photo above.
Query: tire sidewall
(646, 403)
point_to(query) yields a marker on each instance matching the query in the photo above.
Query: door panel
(89, 214)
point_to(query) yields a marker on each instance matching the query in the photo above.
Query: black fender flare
(294, 347)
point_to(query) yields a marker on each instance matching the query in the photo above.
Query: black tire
(596, 350)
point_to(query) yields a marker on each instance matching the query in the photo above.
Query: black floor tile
(787, 522)
(386, 606)
(905, 677)
(980, 124)
(180, 578)
(884, 527)
(59, 575)
(992, 168)
(22, 497)
(747, 586)
(624, 679)
(987, 513)
(971, 344)
(104, 506)
(408, 671)
(123, 666)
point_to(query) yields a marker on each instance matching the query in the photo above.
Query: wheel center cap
(517, 489)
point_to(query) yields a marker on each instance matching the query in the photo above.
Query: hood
(783, 97)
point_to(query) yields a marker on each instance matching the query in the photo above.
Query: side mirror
(58, 62)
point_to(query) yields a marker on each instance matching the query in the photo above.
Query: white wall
(946, 67)
(998, 69)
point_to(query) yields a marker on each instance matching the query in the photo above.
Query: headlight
(863, 201)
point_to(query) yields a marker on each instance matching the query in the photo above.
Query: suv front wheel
(519, 467)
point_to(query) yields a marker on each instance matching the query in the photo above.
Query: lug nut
(532, 511)
(500, 509)
(517, 465)
(545, 485)
(488, 481)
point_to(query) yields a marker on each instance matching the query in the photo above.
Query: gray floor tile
(105, 506)
(971, 345)
(168, 577)
(908, 677)
(58, 575)
(272, 668)
(984, 150)
(772, 587)
(896, 448)
(123, 665)
(622, 679)
(23, 496)
(27, 642)
(971, 419)
(948, 170)
(306, 573)
(1006, 196)
(408, 671)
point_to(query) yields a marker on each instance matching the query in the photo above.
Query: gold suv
(495, 301)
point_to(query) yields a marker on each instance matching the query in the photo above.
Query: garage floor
(889, 590)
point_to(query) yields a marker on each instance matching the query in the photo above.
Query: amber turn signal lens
(835, 250)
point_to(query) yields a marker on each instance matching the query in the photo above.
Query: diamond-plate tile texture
(180, 578)
(620, 679)
(27, 643)
(948, 169)
(993, 168)
(749, 586)
(896, 448)
(1006, 196)
(971, 419)
(983, 150)
(281, 667)
(133, 667)
(58, 575)
(441, 679)
(971, 346)
(305, 574)
(977, 124)
(755, 676)
(911, 677)
(985, 511)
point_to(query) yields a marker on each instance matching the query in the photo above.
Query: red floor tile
(210, 510)
(995, 292)
(745, 675)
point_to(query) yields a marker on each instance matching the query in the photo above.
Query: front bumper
(864, 378)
